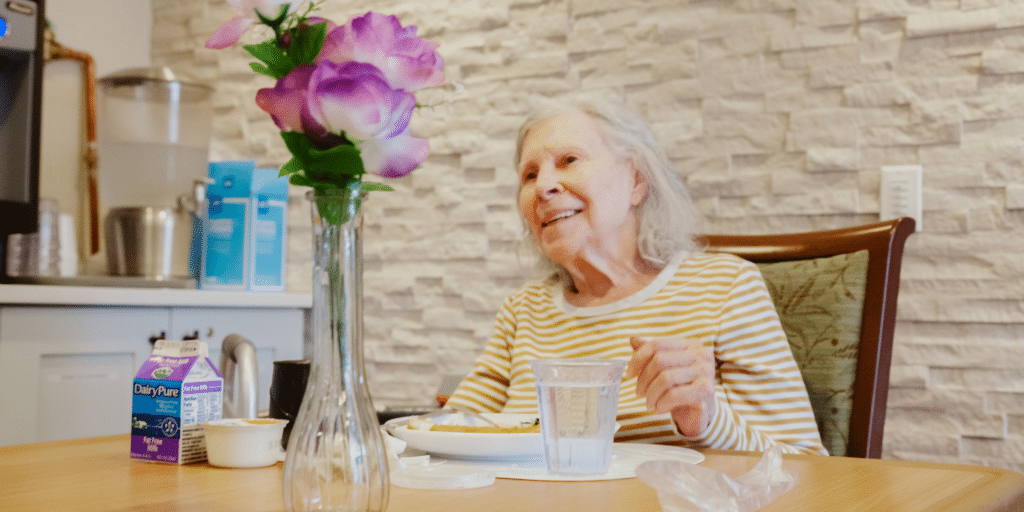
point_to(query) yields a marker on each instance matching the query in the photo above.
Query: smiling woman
(708, 360)
(577, 197)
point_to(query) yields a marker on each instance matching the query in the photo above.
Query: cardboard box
(246, 229)
(225, 260)
(268, 256)
(175, 391)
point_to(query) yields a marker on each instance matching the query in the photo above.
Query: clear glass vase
(336, 458)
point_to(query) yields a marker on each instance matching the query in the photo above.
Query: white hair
(667, 218)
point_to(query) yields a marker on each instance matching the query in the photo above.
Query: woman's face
(576, 196)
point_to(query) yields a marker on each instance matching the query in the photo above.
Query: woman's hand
(676, 376)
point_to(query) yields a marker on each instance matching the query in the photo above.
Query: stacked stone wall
(778, 114)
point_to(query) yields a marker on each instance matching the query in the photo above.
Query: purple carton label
(153, 448)
(155, 425)
(213, 386)
(166, 368)
(216, 371)
(170, 390)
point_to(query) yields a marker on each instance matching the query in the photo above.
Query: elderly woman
(708, 361)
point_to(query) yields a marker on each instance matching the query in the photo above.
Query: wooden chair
(883, 243)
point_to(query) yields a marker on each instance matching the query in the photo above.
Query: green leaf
(337, 161)
(261, 69)
(275, 58)
(307, 43)
(300, 180)
(298, 145)
(336, 167)
(301, 149)
(371, 186)
(293, 166)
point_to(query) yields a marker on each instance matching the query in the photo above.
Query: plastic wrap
(685, 487)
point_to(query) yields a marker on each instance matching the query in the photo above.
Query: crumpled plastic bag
(686, 487)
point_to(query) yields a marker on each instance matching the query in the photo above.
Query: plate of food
(461, 436)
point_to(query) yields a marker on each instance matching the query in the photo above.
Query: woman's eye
(529, 175)
(568, 159)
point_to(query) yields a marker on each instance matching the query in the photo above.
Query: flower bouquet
(344, 94)
(343, 101)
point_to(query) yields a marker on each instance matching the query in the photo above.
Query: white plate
(626, 457)
(470, 445)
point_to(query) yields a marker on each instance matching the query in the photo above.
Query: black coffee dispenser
(21, 79)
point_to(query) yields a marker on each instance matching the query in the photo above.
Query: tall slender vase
(336, 459)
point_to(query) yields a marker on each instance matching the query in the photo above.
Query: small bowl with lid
(244, 443)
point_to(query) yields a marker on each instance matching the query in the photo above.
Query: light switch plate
(901, 193)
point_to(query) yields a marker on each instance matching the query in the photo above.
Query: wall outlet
(901, 193)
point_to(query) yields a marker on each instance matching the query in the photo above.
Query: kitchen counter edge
(45, 295)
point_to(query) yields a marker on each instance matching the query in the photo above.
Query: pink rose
(286, 102)
(231, 31)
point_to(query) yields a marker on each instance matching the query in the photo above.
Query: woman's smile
(558, 217)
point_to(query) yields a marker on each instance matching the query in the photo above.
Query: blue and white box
(246, 229)
(268, 256)
(225, 264)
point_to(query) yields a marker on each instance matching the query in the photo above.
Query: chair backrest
(809, 272)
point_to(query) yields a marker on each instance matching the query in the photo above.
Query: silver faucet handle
(239, 368)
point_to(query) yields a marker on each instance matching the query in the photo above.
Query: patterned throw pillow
(820, 303)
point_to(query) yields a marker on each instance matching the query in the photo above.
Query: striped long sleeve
(719, 299)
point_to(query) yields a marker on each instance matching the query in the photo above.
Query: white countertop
(46, 295)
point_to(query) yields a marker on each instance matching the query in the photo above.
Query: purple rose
(355, 98)
(408, 62)
(393, 157)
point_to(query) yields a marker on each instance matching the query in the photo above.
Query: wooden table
(97, 474)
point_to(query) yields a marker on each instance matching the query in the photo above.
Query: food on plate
(486, 429)
(524, 427)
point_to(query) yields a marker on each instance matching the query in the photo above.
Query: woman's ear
(639, 187)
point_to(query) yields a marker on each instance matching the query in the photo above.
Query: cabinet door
(67, 371)
(278, 335)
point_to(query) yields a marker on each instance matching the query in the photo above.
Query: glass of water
(578, 401)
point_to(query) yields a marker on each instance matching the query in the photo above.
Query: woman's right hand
(677, 376)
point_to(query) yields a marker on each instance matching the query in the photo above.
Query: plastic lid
(121, 83)
(440, 476)
(247, 424)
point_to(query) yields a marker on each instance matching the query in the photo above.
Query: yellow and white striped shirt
(720, 299)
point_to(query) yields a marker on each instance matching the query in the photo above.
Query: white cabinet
(66, 368)
(67, 372)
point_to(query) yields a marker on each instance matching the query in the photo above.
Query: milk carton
(176, 390)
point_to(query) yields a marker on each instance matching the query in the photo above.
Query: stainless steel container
(151, 242)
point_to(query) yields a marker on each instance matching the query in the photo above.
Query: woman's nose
(547, 183)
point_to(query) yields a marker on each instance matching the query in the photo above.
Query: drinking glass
(578, 401)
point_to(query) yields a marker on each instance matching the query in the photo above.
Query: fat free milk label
(175, 391)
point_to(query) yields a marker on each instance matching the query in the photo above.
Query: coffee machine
(21, 78)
